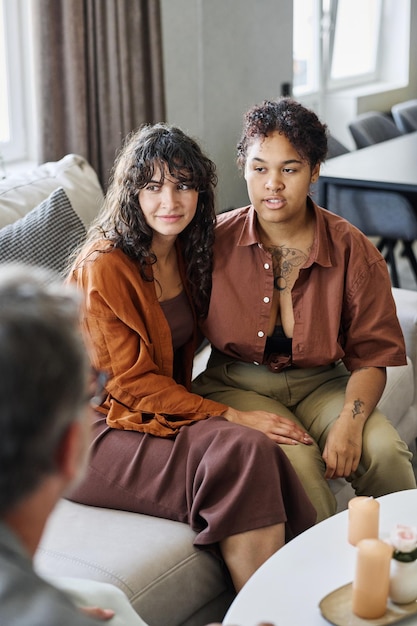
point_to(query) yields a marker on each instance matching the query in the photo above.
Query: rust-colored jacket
(129, 338)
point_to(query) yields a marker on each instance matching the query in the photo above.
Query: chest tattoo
(285, 263)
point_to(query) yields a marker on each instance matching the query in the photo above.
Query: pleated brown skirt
(219, 477)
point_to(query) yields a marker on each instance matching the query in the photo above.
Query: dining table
(389, 165)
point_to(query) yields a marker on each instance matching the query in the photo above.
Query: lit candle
(371, 582)
(363, 519)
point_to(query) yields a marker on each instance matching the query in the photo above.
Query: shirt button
(266, 299)
(261, 333)
(266, 266)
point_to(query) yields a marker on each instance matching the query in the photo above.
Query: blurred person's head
(44, 383)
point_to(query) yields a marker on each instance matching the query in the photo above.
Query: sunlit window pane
(305, 43)
(4, 108)
(356, 38)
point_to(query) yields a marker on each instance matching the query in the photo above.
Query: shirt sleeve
(130, 339)
(372, 334)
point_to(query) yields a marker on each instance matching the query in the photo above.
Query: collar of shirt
(320, 251)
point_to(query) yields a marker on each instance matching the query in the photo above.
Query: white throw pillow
(22, 192)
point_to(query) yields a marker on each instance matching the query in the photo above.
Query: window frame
(355, 80)
(314, 84)
(322, 55)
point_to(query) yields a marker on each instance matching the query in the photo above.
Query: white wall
(220, 58)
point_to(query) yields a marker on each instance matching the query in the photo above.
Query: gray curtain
(99, 75)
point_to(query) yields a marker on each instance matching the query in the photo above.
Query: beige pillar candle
(371, 582)
(363, 519)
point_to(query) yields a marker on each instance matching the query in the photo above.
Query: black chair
(385, 215)
(372, 127)
(335, 147)
(405, 116)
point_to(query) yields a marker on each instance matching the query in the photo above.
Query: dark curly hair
(299, 125)
(121, 220)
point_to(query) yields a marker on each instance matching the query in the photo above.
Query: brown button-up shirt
(342, 300)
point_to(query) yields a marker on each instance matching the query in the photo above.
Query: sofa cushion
(398, 393)
(45, 236)
(19, 193)
(153, 560)
(406, 303)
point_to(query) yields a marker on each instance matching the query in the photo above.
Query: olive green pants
(313, 399)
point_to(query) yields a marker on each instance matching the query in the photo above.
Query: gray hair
(43, 375)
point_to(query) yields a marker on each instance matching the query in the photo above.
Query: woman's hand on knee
(343, 449)
(278, 428)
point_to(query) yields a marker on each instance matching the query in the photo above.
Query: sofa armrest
(406, 303)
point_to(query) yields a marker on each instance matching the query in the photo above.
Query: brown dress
(219, 477)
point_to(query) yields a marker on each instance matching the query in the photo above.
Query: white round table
(288, 588)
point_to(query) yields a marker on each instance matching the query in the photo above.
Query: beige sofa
(43, 214)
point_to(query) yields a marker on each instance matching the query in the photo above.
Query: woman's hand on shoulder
(278, 428)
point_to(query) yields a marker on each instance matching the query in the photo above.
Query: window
(336, 43)
(16, 100)
(354, 49)
(4, 105)
(306, 40)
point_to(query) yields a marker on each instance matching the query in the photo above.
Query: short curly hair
(299, 125)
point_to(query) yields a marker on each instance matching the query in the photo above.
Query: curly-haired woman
(158, 448)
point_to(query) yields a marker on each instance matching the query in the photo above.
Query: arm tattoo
(357, 408)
